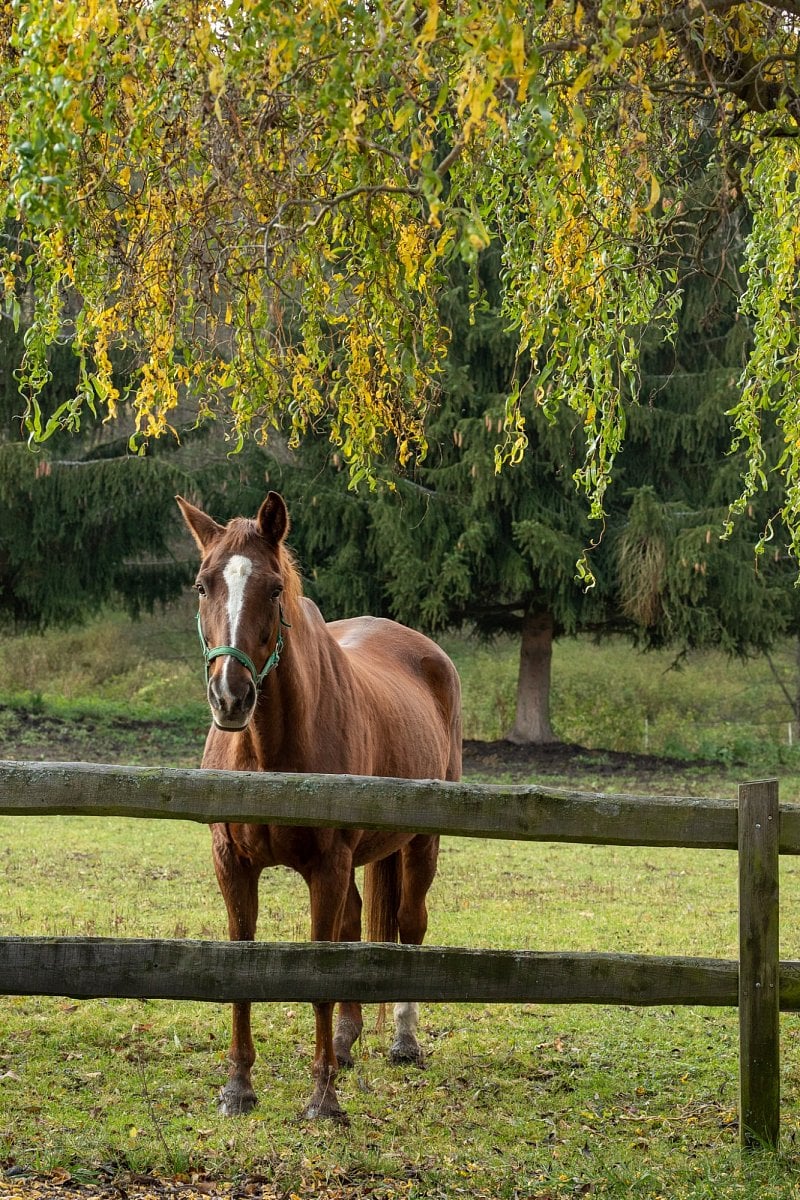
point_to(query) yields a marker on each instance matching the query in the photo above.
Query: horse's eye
(277, 593)
(201, 591)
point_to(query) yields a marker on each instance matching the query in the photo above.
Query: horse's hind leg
(418, 868)
(349, 1023)
(238, 882)
(329, 887)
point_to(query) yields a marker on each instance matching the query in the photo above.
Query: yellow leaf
(402, 117)
(216, 78)
(431, 22)
(358, 113)
(655, 193)
(518, 49)
(580, 82)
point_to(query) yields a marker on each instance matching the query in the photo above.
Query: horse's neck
(299, 699)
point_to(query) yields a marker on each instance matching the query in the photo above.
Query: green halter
(218, 651)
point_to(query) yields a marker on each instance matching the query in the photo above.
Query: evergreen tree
(458, 544)
(680, 583)
(83, 522)
(463, 544)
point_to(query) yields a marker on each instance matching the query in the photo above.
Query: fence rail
(758, 983)
(514, 812)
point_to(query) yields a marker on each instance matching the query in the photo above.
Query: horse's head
(240, 584)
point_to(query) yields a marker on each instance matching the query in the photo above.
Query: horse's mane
(292, 583)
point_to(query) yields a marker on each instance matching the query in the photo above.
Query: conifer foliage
(83, 522)
(680, 582)
(460, 545)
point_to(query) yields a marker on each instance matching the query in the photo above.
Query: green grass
(527, 1100)
(607, 695)
(128, 691)
(518, 1102)
(148, 666)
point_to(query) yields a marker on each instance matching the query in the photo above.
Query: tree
(499, 550)
(458, 544)
(78, 534)
(260, 199)
(461, 544)
(83, 523)
(681, 584)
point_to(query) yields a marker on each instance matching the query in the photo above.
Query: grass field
(138, 688)
(529, 1102)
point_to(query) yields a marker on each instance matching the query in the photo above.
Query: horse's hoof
(343, 1057)
(407, 1050)
(323, 1110)
(235, 1102)
(347, 1034)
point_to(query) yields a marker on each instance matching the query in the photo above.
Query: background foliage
(259, 203)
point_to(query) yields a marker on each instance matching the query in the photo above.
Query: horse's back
(414, 693)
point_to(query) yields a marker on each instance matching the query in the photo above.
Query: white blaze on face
(236, 574)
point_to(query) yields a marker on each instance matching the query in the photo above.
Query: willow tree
(259, 199)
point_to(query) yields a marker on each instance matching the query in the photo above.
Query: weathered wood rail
(757, 828)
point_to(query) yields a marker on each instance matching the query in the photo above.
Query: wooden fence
(758, 983)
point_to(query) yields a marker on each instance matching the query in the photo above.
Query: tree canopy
(457, 544)
(259, 201)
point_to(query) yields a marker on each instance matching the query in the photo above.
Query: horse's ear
(273, 519)
(204, 529)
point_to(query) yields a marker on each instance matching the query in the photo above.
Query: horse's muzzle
(231, 711)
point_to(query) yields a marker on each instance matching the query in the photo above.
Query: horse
(290, 693)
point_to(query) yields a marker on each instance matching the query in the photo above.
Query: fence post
(759, 999)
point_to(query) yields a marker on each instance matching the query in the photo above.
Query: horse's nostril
(231, 700)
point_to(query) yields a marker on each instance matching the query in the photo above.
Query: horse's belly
(299, 847)
(373, 846)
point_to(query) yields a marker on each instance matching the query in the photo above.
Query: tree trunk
(532, 721)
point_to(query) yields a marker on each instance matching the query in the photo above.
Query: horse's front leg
(328, 885)
(238, 882)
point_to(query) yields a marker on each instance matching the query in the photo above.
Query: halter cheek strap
(234, 652)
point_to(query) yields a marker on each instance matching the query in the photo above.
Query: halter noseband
(218, 651)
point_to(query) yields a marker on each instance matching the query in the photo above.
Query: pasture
(526, 1101)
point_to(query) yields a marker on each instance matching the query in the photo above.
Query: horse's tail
(382, 898)
(381, 903)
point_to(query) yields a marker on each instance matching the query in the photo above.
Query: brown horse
(289, 693)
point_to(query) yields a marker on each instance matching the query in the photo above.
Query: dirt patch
(33, 735)
(41, 736)
(563, 758)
